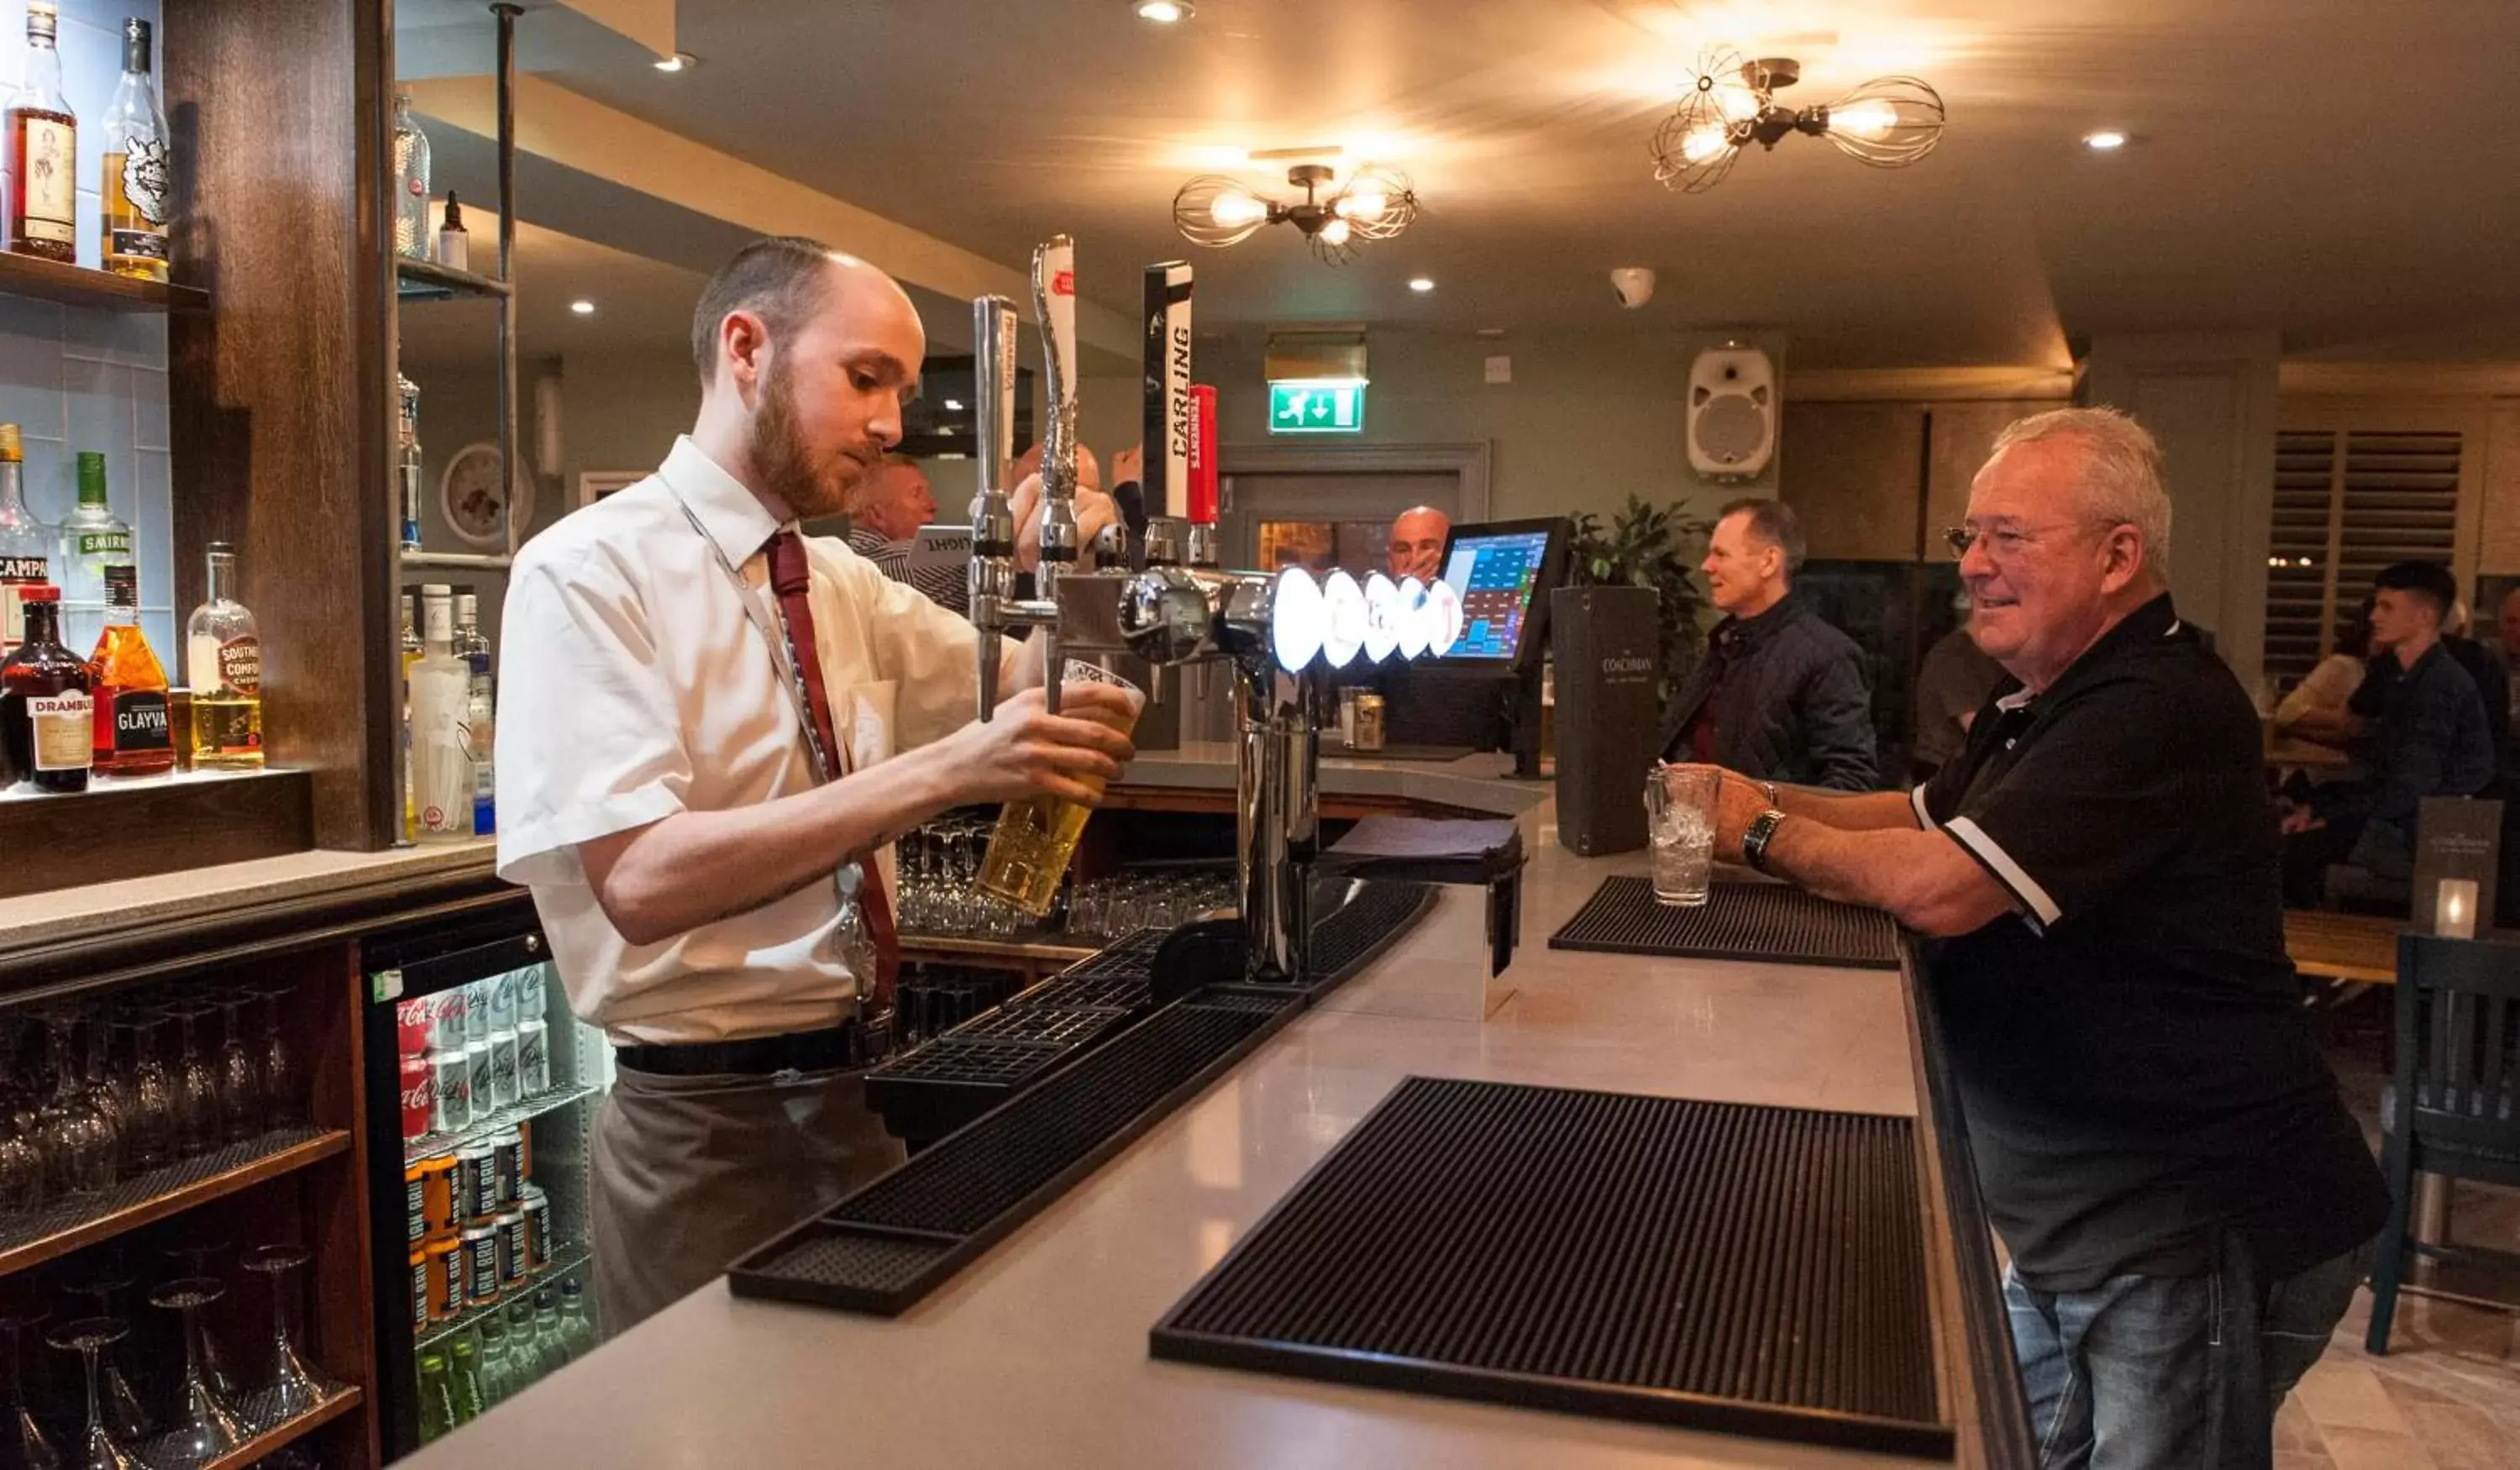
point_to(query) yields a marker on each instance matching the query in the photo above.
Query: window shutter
(2348, 503)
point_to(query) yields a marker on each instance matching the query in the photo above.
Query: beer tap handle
(1054, 295)
(991, 578)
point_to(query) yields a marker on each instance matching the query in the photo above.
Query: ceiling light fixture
(679, 61)
(1165, 12)
(2107, 140)
(1374, 204)
(1421, 285)
(582, 307)
(1888, 122)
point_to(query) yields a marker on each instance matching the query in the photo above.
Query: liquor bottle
(92, 539)
(466, 1385)
(409, 445)
(43, 150)
(47, 723)
(437, 1397)
(441, 767)
(454, 244)
(25, 544)
(481, 712)
(223, 665)
(134, 733)
(411, 651)
(137, 190)
(411, 182)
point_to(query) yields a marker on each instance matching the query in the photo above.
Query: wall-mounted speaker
(1731, 413)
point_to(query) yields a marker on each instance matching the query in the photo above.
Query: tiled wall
(73, 378)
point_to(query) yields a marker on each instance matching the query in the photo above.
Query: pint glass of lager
(1036, 836)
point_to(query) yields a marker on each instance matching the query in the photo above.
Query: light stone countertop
(1036, 1353)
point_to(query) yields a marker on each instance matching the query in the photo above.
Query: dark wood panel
(82, 286)
(280, 415)
(1854, 473)
(129, 831)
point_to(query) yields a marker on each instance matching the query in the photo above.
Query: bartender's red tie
(790, 579)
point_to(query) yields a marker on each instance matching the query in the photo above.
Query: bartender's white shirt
(634, 685)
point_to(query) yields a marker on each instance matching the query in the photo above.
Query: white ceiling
(2336, 169)
(642, 307)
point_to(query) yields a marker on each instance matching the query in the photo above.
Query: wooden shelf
(458, 561)
(135, 1202)
(287, 1433)
(428, 280)
(78, 286)
(138, 827)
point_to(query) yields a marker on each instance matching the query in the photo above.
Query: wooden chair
(2455, 1109)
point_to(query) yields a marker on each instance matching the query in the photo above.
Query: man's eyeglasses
(2003, 543)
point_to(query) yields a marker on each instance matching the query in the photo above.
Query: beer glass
(1680, 827)
(1036, 836)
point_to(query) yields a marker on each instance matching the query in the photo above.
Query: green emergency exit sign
(1316, 406)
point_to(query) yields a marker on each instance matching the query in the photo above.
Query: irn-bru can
(445, 1278)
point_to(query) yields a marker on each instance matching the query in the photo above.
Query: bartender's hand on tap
(1093, 510)
(1025, 750)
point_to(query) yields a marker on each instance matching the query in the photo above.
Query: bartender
(710, 729)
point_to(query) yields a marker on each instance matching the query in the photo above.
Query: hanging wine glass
(147, 1097)
(197, 1088)
(23, 1170)
(283, 1097)
(240, 1079)
(204, 1426)
(297, 1387)
(22, 1445)
(194, 1260)
(98, 1081)
(100, 1448)
(78, 1143)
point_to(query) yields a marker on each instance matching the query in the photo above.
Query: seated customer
(2330, 688)
(892, 504)
(2426, 738)
(1781, 695)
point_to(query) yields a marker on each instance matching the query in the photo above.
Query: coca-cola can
(477, 1012)
(450, 1093)
(503, 1003)
(446, 1021)
(503, 1068)
(533, 1056)
(412, 1022)
(419, 1098)
(476, 1066)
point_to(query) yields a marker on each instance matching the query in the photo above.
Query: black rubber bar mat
(908, 1232)
(1747, 1270)
(1772, 922)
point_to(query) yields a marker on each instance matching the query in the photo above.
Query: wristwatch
(1755, 838)
(1769, 788)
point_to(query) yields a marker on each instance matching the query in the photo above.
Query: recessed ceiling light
(679, 61)
(1422, 283)
(582, 307)
(2107, 140)
(1165, 12)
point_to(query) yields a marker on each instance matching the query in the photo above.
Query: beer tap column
(992, 573)
(1054, 298)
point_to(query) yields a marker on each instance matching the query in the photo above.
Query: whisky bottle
(137, 190)
(25, 544)
(47, 723)
(223, 663)
(135, 735)
(43, 150)
(92, 540)
(441, 767)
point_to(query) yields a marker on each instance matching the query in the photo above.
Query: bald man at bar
(1416, 548)
(712, 728)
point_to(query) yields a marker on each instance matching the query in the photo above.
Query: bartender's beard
(786, 465)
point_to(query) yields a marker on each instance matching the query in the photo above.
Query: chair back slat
(2459, 1001)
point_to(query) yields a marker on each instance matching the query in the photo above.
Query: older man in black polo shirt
(2187, 1204)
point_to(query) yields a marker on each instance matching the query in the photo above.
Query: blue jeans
(2163, 1373)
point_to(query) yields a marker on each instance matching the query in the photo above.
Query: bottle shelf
(80, 285)
(60, 1228)
(459, 560)
(438, 1146)
(428, 280)
(568, 1263)
(288, 1431)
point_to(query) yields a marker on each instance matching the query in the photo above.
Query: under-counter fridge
(482, 1096)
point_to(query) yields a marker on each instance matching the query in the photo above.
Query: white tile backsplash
(73, 378)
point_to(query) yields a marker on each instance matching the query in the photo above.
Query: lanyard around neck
(774, 633)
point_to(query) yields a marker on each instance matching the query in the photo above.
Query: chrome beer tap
(994, 609)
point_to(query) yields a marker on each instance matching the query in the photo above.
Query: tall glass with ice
(1036, 836)
(1680, 831)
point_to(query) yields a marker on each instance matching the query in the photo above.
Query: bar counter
(1037, 1354)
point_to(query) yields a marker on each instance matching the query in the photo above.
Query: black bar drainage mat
(1746, 1269)
(1771, 921)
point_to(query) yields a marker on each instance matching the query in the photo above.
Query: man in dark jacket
(1781, 695)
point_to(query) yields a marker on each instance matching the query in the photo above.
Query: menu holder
(2458, 840)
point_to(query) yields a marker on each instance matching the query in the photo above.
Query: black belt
(844, 1048)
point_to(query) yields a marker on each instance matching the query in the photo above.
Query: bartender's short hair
(778, 277)
(1774, 523)
(2428, 580)
(2121, 482)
